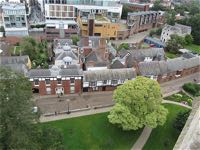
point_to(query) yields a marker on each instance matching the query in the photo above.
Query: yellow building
(98, 25)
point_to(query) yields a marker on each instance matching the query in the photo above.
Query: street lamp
(68, 100)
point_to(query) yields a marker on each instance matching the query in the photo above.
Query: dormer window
(93, 84)
(59, 81)
(47, 81)
(36, 82)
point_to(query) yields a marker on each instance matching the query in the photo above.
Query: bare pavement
(94, 102)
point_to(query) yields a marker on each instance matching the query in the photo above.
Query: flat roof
(52, 22)
(142, 13)
(13, 6)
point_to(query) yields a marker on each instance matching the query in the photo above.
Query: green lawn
(164, 137)
(94, 132)
(16, 50)
(180, 97)
(171, 55)
(193, 48)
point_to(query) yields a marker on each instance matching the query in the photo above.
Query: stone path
(176, 103)
(142, 139)
(75, 114)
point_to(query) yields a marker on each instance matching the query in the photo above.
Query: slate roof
(139, 55)
(19, 68)
(163, 67)
(109, 74)
(54, 72)
(91, 57)
(14, 59)
(116, 64)
(66, 53)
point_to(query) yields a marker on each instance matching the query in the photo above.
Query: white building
(14, 19)
(178, 29)
(69, 9)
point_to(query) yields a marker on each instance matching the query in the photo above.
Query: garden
(164, 137)
(192, 88)
(95, 132)
(180, 97)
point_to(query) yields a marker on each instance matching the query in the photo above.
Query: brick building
(107, 79)
(164, 71)
(142, 21)
(56, 81)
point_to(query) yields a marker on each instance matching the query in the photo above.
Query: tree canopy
(37, 51)
(138, 104)
(18, 124)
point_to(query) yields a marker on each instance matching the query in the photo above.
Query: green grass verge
(164, 137)
(15, 50)
(171, 55)
(194, 48)
(180, 97)
(94, 132)
(192, 88)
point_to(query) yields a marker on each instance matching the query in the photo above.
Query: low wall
(189, 139)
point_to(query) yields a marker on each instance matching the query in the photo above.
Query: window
(114, 82)
(104, 81)
(59, 81)
(72, 81)
(36, 82)
(6, 19)
(48, 91)
(93, 83)
(72, 89)
(47, 81)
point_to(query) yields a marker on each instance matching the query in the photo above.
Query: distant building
(134, 6)
(155, 42)
(14, 19)
(142, 21)
(61, 16)
(180, 30)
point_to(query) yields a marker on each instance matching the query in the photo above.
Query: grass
(180, 97)
(94, 132)
(192, 88)
(164, 137)
(194, 48)
(171, 55)
(16, 50)
(100, 18)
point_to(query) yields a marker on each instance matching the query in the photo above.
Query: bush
(192, 88)
(123, 46)
(181, 120)
(188, 39)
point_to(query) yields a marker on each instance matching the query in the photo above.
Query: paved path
(136, 38)
(142, 139)
(75, 114)
(139, 144)
(176, 103)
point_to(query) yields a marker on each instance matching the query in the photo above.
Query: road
(52, 104)
(136, 38)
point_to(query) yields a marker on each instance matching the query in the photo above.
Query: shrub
(188, 39)
(192, 88)
(181, 120)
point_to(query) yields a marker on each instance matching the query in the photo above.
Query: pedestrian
(55, 113)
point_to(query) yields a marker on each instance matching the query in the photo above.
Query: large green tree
(138, 104)
(37, 51)
(19, 129)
